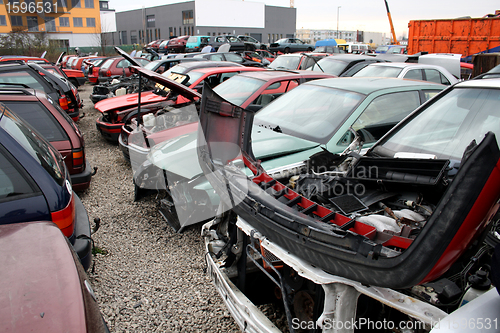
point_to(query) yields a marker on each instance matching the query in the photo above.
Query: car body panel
(288, 45)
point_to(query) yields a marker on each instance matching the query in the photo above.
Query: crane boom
(394, 41)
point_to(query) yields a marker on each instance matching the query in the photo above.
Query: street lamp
(338, 21)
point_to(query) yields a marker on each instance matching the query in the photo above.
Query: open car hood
(131, 100)
(431, 220)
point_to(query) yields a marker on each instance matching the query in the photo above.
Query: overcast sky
(367, 15)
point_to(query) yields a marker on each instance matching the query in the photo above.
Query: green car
(325, 114)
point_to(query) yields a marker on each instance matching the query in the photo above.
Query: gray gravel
(148, 278)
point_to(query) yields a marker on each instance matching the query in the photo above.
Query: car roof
(215, 70)
(349, 57)
(404, 65)
(209, 63)
(367, 85)
(283, 74)
(485, 83)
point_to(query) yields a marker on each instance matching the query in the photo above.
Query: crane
(394, 41)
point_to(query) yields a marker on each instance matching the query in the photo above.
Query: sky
(366, 15)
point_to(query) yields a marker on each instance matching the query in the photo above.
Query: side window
(428, 94)
(225, 76)
(433, 75)
(12, 181)
(383, 113)
(23, 77)
(123, 64)
(414, 74)
(216, 57)
(233, 58)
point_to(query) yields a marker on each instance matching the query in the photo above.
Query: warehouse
(202, 17)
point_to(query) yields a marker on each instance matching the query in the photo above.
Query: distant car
(31, 75)
(177, 44)
(295, 61)
(235, 43)
(252, 41)
(36, 60)
(93, 69)
(156, 44)
(412, 71)
(288, 45)
(196, 43)
(44, 287)
(391, 49)
(162, 48)
(229, 56)
(45, 115)
(35, 184)
(116, 67)
(344, 64)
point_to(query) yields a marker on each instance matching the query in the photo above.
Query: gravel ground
(147, 278)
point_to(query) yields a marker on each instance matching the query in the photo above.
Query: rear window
(12, 181)
(33, 142)
(37, 115)
(107, 63)
(23, 77)
(192, 39)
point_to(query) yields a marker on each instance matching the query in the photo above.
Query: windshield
(382, 49)
(379, 71)
(285, 62)
(107, 63)
(329, 66)
(35, 145)
(449, 125)
(237, 89)
(309, 112)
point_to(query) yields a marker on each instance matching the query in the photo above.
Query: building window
(17, 21)
(32, 23)
(150, 21)
(64, 21)
(3, 21)
(175, 31)
(50, 24)
(187, 17)
(170, 32)
(103, 5)
(89, 3)
(77, 22)
(76, 4)
(133, 37)
(62, 3)
(91, 22)
(124, 37)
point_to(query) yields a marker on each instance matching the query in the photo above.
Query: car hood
(127, 101)
(179, 156)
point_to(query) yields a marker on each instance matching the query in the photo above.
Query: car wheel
(287, 50)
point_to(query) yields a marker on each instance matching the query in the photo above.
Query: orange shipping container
(460, 36)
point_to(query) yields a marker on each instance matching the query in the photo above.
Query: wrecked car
(395, 237)
(331, 106)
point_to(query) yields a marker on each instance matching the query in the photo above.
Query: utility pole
(338, 8)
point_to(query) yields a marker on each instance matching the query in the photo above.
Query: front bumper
(109, 131)
(135, 155)
(83, 242)
(81, 181)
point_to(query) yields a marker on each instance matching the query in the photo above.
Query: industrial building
(205, 17)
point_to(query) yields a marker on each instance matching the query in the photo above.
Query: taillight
(65, 218)
(63, 102)
(108, 73)
(78, 158)
(95, 71)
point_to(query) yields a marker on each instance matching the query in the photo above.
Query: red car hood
(174, 132)
(127, 101)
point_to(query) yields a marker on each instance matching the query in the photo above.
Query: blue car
(36, 186)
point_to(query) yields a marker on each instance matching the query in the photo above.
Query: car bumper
(75, 115)
(81, 181)
(81, 80)
(109, 131)
(93, 79)
(83, 242)
(135, 155)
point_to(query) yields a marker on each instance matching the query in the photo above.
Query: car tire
(287, 50)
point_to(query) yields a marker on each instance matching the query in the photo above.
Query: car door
(273, 91)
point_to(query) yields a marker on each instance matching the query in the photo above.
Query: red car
(253, 89)
(177, 44)
(44, 287)
(117, 67)
(111, 122)
(37, 109)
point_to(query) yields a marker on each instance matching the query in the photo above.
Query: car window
(107, 64)
(383, 113)
(285, 62)
(35, 145)
(450, 124)
(434, 75)
(24, 77)
(238, 89)
(12, 181)
(233, 39)
(142, 61)
(234, 58)
(379, 71)
(428, 94)
(414, 74)
(37, 115)
(216, 57)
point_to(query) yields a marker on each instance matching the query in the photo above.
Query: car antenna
(314, 59)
